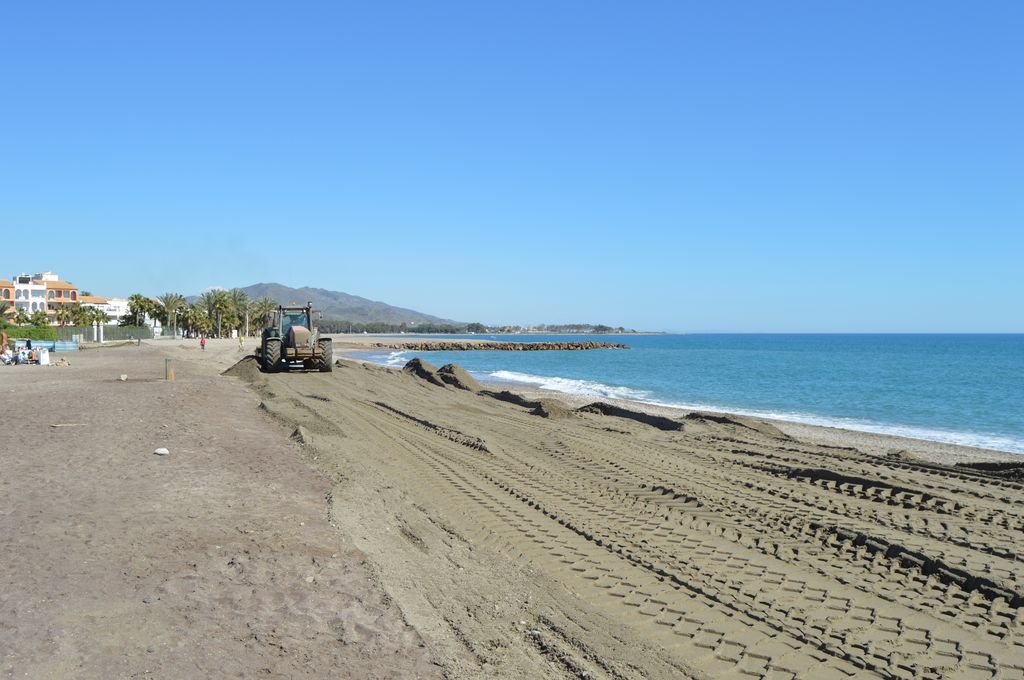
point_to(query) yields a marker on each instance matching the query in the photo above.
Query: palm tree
(171, 303)
(240, 306)
(80, 315)
(208, 301)
(222, 307)
(5, 308)
(139, 306)
(20, 316)
(263, 309)
(39, 318)
(64, 314)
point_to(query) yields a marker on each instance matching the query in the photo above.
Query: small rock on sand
(161, 451)
(123, 377)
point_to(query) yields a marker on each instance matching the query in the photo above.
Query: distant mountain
(341, 306)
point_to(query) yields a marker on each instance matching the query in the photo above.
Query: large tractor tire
(271, 356)
(326, 355)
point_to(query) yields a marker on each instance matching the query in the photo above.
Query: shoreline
(874, 443)
(605, 542)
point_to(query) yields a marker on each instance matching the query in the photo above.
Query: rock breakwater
(462, 346)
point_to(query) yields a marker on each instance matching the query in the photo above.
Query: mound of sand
(736, 421)
(301, 435)
(551, 408)
(248, 369)
(545, 408)
(424, 371)
(1012, 471)
(604, 409)
(457, 376)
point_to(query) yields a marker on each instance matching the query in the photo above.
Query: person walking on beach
(241, 343)
(202, 343)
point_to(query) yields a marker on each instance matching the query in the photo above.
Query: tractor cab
(294, 317)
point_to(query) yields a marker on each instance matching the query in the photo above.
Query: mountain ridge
(341, 306)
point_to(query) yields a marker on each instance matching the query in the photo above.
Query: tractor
(291, 338)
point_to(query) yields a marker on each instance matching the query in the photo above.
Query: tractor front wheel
(326, 356)
(271, 356)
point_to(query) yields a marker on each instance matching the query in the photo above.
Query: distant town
(44, 307)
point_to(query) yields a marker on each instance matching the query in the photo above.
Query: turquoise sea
(962, 389)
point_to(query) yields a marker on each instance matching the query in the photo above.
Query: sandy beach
(216, 560)
(453, 529)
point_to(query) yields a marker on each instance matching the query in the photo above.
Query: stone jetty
(461, 346)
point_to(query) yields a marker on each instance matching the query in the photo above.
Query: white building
(29, 293)
(114, 308)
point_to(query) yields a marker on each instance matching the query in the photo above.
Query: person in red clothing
(202, 342)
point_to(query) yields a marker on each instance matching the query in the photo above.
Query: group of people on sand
(27, 355)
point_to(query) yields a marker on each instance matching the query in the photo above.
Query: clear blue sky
(738, 166)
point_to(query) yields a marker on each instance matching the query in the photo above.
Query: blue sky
(733, 166)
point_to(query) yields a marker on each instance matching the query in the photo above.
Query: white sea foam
(596, 389)
(390, 359)
(571, 386)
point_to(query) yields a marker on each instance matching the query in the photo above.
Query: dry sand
(215, 561)
(523, 537)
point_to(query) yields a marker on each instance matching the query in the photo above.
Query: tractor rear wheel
(271, 355)
(326, 355)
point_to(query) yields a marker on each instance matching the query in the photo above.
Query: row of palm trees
(216, 313)
(74, 315)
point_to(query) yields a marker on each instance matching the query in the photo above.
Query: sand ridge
(606, 544)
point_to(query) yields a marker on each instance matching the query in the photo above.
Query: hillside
(341, 306)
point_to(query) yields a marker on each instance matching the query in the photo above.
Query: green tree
(171, 304)
(239, 302)
(138, 307)
(223, 311)
(21, 316)
(218, 308)
(80, 315)
(201, 323)
(64, 314)
(263, 310)
(39, 319)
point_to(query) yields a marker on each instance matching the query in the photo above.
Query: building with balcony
(42, 292)
(29, 294)
(114, 308)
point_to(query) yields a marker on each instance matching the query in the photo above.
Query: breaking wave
(596, 389)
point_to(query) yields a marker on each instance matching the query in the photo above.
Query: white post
(101, 332)
(95, 333)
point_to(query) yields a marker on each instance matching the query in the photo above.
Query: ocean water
(961, 389)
